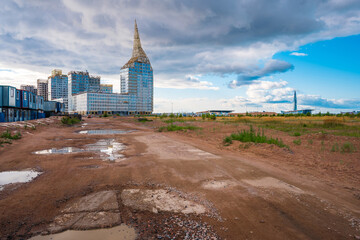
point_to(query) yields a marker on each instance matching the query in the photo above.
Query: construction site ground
(178, 185)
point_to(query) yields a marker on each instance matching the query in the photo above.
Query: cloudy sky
(244, 55)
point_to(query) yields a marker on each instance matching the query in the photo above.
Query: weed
(8, 135)
(297, 141)
(335, 147)
(33, 127)
(173, 127)
(332, 123)
(252, 136)
(25, 126)
(144, 120)
(297, 134)
(347, 147)
(227, 141)
(310, 141)
(70, 120)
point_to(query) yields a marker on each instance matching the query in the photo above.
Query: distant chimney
(295, 101)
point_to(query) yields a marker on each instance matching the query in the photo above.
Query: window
(12, 92)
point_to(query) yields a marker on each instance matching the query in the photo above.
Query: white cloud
(298, 54)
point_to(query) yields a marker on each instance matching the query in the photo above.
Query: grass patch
(8, 135)
(310, 141)
(144, 120)
(173, 127)
(252, 136)
(347, 147)
(70, 120)
(297, 134)
(297, 141)
(335, 147)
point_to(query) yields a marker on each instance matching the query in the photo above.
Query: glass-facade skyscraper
(136, 78)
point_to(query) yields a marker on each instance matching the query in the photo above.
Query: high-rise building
(136, 84)
(42, 88)
(57, 85)
(295, 101)
(29, 88)
(79, 82)
(136, 78)
(106, 88)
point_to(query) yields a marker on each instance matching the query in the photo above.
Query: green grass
(144, 119)
(252, 136)
(69, 120)
(173, 127)
(347, 147)
(335, 147)
(297, 141)
(297, 134)
(8, 135)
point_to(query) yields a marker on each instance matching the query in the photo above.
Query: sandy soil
(181, 185)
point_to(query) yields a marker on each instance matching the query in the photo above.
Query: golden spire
(137, 49)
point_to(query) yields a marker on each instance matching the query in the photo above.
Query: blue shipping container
(18, 99)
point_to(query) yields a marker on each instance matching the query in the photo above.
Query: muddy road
(159, 185)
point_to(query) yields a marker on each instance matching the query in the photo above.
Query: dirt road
(164, 185)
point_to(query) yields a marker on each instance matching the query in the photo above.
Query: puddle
(104, 132)
(64, 150)
(17, 177)
(269, 182)
(159, 200)
(120, 232)
(108, 149)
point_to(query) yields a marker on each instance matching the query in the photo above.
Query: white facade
(94, 103)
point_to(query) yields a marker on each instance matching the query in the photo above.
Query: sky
(241, 55)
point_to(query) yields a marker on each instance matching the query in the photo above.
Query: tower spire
(137, 49)
(138, 54)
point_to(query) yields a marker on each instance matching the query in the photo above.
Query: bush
(8, 135)
(105, 114)
(67, 120)
(212, 117)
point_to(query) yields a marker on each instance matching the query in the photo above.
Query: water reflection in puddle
(60, 150)
(104, 131)
(17, 177)
(108, 149)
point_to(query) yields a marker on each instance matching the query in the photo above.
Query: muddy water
(115, 233)
(17, 177)
(104, 131)
(108, 149)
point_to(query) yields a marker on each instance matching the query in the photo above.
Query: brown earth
(181, 185)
